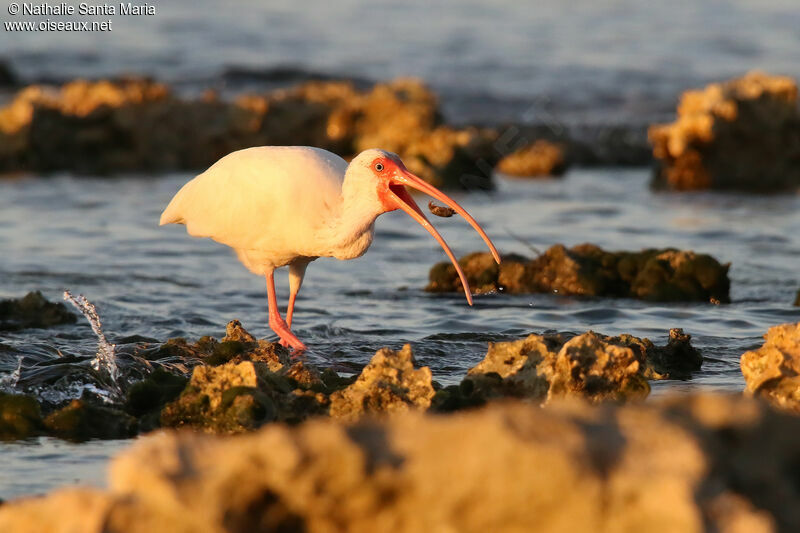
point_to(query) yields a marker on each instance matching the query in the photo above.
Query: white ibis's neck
(352, 229)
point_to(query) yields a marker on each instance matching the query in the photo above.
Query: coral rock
(544, 368)
(740, 134)
(695, 463)
(541, 158)
(387, 385)
(773, 371)
(587, 270)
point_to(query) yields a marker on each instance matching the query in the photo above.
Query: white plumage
(278, 206)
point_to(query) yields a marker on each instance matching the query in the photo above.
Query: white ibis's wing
(269, 197)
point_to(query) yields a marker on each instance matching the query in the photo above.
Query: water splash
(105, 360)
(9, 383)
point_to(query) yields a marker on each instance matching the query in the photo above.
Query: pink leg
(290, 309)
(297, 271)
(276, 322)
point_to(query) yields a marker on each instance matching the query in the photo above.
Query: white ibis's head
(382, 176)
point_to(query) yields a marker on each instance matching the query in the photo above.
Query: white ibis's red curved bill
(398, 196)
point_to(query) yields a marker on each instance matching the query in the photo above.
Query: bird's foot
(293, 342)
(287, 338)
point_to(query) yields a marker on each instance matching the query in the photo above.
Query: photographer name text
(87, 9)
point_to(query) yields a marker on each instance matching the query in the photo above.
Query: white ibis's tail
(173, 214)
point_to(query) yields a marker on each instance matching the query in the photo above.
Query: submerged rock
(540, 158)
(656, 275)
(773, 371)
(390, 383)
(20, 417)
(689, 464)
(740, 134)
(81, 420)
(33, 311)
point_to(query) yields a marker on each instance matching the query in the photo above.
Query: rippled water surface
(101, 238)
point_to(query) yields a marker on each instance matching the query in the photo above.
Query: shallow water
(101, 238)
(37, 465)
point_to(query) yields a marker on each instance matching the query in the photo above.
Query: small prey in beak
(394, 177)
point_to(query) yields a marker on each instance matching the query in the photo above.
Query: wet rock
(586, 270)
(389, 384)
(33, 311)
(797, 299)
(545, 368)
(540, 158)
(693, 463)
(773, 371)
(145, 399)
(225, 399)
(236, 346)
(739, 134)
(678, 359)
(20, 417)
(81, 420)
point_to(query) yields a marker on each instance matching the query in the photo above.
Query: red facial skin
(391, 170)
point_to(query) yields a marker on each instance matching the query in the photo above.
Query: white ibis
(289, 205)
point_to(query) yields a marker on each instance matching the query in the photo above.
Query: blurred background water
(578, 62)
(584, 61)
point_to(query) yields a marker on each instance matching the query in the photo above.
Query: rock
(677, 360)
(145, 399)
(388, 384)
(740, 134)
(225, 399)
(545, 368)
(33, 311)
(771, 372)
(586, 270)
(81, 420)
(689, 464)
(7, 76)
(134, 124)
(238, 345)
(540, 158)
(797, 299)
(66, 510)
(20, 417)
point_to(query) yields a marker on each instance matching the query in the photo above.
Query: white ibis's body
(258, 203)
(279, 206)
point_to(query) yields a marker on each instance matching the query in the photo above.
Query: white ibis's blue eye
(379, 167)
